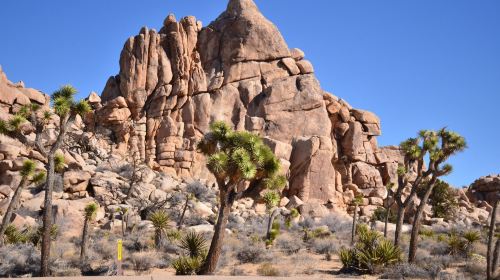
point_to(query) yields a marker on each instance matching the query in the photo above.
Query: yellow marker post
(119, 257)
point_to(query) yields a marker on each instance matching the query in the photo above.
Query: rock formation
(485, 189)
(173, 83)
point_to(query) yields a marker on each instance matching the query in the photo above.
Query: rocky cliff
(174, 82)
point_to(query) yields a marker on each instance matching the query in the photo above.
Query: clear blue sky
(417, 64)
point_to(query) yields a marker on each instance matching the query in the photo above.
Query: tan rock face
(176, 81)
(485, 189)
(173, 83)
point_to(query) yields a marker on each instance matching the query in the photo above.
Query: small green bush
(187, 265)
(371, 253)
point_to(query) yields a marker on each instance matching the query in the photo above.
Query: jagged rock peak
(238, 7)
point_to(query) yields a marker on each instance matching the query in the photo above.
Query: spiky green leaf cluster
(63, 102)
(187, 265)
(13, 235)
(28, 168)
(160, 220)
(59, 162)
(90, 211)
(438, 145)
(371, 253)
(235, 156)
(271, 199)
(194, 243)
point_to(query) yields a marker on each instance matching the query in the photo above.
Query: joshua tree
(387, 206)
(160, 221)
(439, 146)
(124, 214)
(64, 106)
(492, 260)
(89, 214)
(189, 197)
(272, 200)
(242, 165)
(28, 175)
(358, 199)
(431, 149)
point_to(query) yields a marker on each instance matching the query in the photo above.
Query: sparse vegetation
(371, 253)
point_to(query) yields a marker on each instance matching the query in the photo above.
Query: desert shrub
(380, 214)
(307, 222)
(325, 246)
(443, 200)
(236, 271)
(337, 224)
(457, 245)
(145, 261)
(426, 232)
(195, 245)
(252, 253)
(289, 245)
(66, 272)
(187, 265)
(138, 241)
(476, 269)
(19, 259)
(268, 269)
(405, 271)
(200, 191)
(371, 253)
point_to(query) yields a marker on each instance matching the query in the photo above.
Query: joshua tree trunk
(354, 224)
(274, 213)
(181, 219)
(490, 269)
(85, 237)
(496, 257)
(124, 226)
(417, 221)
(158, 238)
(49, 188)
(12, 206)
(47, 217)
(399, 225)
(220, 228)
(386, 222)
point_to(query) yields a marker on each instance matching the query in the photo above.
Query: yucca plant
(371, 253)
(194, 243)
(236, 159)
(187, 265)
(14, 236)
(28, 175)
(471, 237)
(160, 220)
(456, 245)
(90, 212)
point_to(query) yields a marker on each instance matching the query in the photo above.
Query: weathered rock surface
(485, 189)
(174, 82)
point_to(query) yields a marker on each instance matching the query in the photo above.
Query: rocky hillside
(172, 84)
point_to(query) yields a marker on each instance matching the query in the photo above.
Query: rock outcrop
(137, 148)
(174, 82)
(485, 189)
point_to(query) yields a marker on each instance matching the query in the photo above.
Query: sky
(417, 64)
